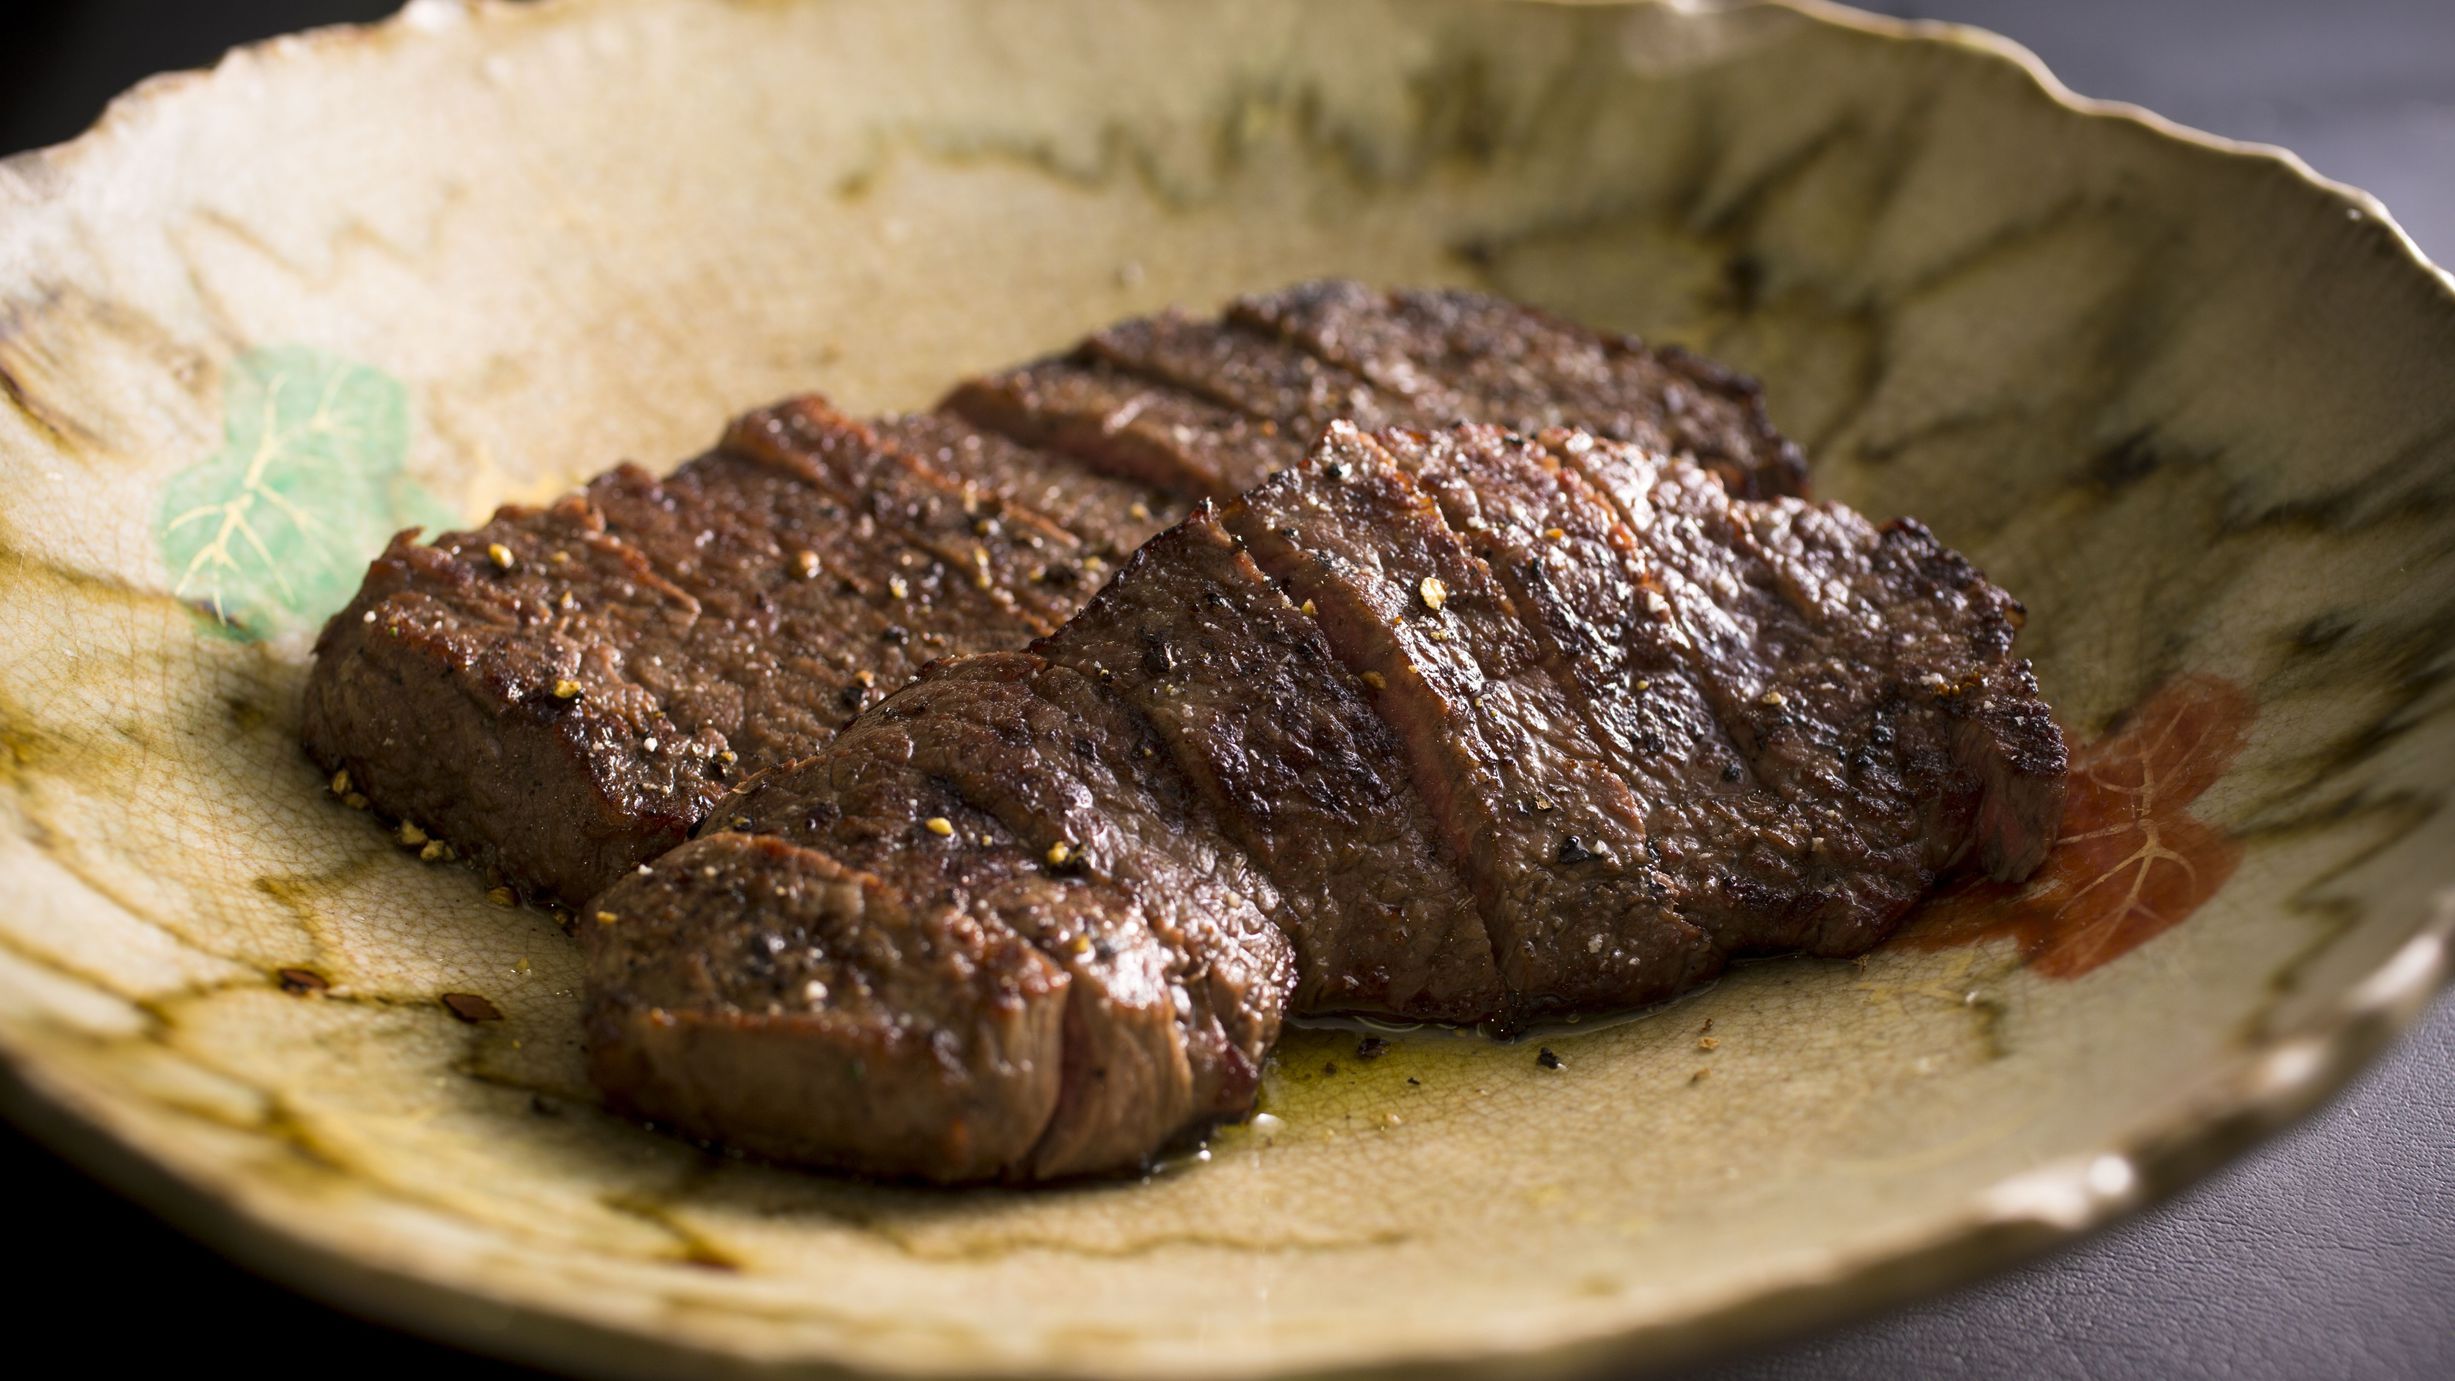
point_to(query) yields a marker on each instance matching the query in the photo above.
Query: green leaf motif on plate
(274, 530)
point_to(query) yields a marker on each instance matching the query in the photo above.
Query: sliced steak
(1135, 428)
(1589, 598)
(1216, 407)
(851, 1026)
(1286, 749)
(1014, 827)
(1007, 557)
(1111, 516)
(1497, 361)
(1547, 834)
(731, 616)
(562, 693)
(1262, 376)
(1483, 725)
(1722, 652)
(1865, 673)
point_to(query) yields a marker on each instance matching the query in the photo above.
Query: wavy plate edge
(2283, 1077)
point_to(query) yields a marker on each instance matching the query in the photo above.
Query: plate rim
(2282, 1078)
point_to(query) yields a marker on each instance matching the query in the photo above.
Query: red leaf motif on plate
(2132, 861)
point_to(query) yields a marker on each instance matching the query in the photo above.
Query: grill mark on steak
(780, 610)
(1215, 407)
(1261, 376)
(1511, 365)
(1583, 587)
(1134, 428)
(1279, 739)
(1004, 559)
(717, 527)
(1550, 837)
(1892, 751)
(1111, 516)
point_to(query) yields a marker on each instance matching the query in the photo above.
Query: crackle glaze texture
(2197, 409)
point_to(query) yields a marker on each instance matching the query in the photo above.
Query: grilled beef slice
(1488, 360)
(562, 693)
(881, 963)
(1467, 725)
(1212, 408)
(1109, 515)
(573, 707)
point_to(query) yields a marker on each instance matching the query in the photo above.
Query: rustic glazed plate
(2196, 406)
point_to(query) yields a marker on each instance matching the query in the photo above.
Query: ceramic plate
(2194, 405)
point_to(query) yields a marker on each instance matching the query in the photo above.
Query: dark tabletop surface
(2329, 1252)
